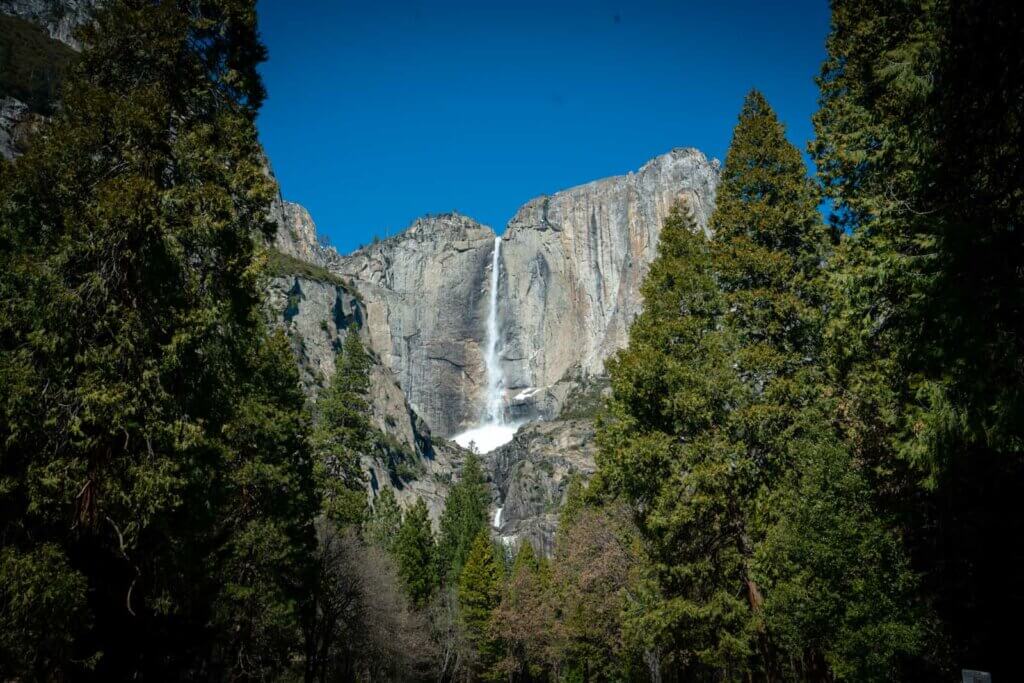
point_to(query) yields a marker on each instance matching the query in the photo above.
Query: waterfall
(494, 430)
(495, 376)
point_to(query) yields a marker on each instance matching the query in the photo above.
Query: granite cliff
(570, 270)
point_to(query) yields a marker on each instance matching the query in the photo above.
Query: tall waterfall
(495, 376)
(495, 429)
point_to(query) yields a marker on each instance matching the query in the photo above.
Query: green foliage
(464, 516)
(344, 432)
(720, 412)
(32, 65)
(480, 589)
(280, 264)
(42, 607)
(919, 147)
(837, 582)
(416, 555)
(154, 466)
(384, 521)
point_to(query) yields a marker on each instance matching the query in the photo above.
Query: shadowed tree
(154, 469)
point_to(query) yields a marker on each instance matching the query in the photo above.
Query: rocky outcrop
(296, 233)
(531, 476)
(425, 297)
(60, 18)
(17, 123)
(575, 261)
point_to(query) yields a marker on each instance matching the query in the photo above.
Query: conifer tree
(672, 388)
(343, 433)
(465, 514)
(524, 620)
(416, 554)
(918, 147)
(156, 477)
(723, 392)
(385, 521)
(480, 587)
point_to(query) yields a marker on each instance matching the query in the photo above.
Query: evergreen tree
(416, 554)
(662, 448)
(524, 620)
(154, 473)
(343, 433)
(480, 587)
(385, 521)
(918, 147)
(722, 392)
(465, 514)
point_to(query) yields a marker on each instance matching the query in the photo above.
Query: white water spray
(495, 430)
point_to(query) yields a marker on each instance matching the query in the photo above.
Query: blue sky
(379, 112)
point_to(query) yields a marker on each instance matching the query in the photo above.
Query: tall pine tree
(416, 554)
(465, 514)
(480, 587)
(343, 433)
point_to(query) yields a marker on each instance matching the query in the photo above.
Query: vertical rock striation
(575, 262)
(425, 292)
(572, 264)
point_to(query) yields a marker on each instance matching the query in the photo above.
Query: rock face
(425, 294)
(575, 262)
(17, 123)
(296, 233)
(571, 267)
(60, 18)
(317, 315)
(531, 476)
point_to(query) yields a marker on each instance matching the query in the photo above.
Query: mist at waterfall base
(486, 437)
(495, 430)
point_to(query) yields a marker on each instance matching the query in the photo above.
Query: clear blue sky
(379, 112)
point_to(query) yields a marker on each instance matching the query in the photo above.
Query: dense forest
(810, 465)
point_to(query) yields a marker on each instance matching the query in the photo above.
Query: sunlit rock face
(531, 476)
(571, 265)
(426, 297)
(575, 261)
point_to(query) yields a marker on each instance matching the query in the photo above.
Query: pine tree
(918, 147)
(524, 620)
(731, 360)
(343, 433)
(155, 473)
(385, 521)
(416, 554)
(663, 449)
(480, 587)
(465, 514)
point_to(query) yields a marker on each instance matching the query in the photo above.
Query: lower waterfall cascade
(495, 430)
